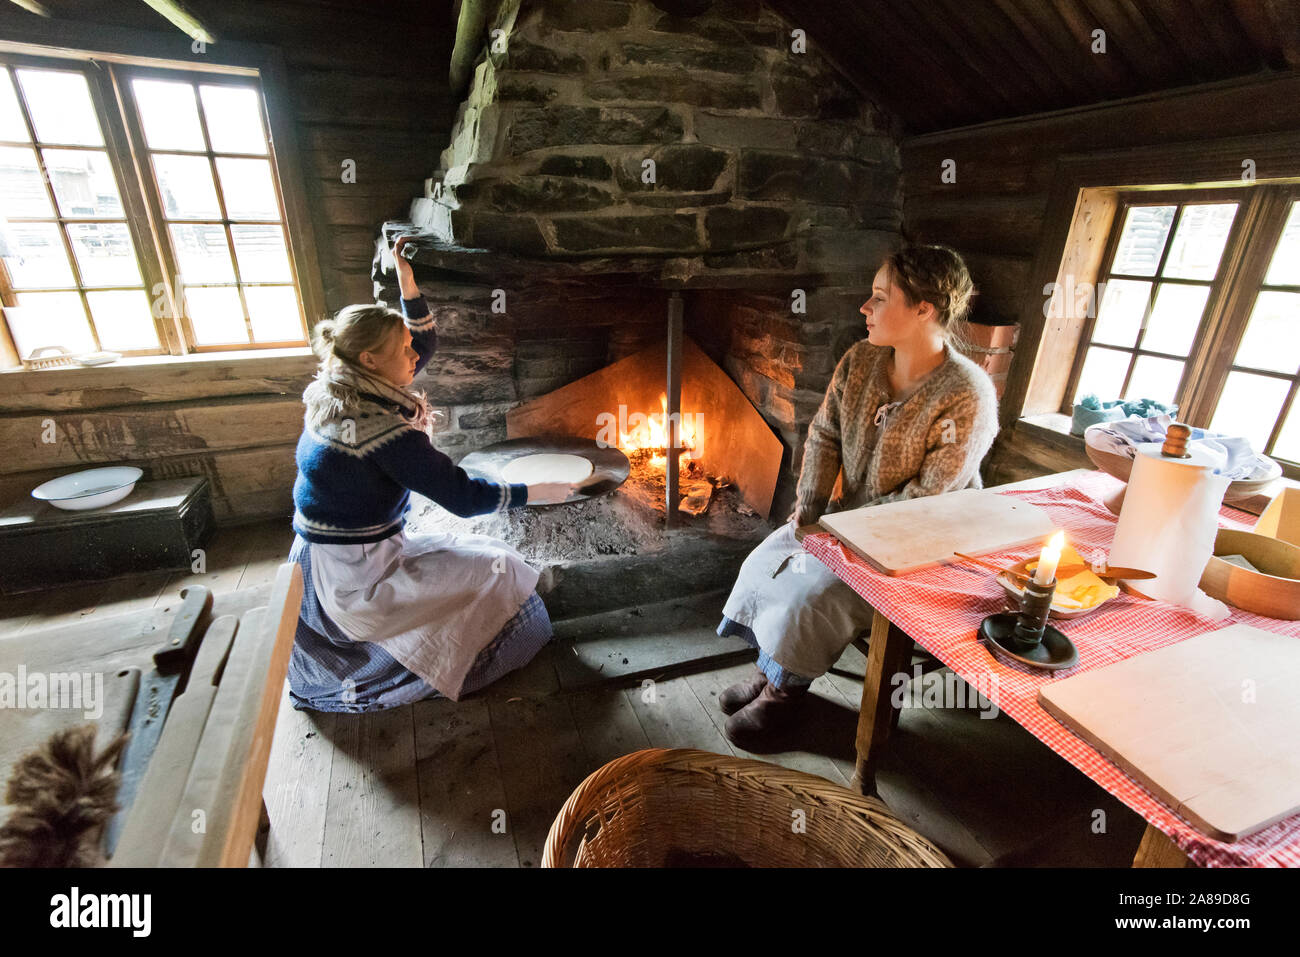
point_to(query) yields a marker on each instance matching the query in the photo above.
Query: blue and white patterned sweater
(357, 469)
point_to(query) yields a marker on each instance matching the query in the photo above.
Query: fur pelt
(62, 795)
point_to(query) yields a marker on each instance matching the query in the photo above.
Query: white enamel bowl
(93, 488)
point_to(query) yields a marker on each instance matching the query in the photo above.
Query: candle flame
(1057, 541)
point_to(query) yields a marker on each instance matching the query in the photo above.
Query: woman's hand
(405, 275)
(550, 493)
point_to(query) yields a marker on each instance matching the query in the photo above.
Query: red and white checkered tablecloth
(941, 608)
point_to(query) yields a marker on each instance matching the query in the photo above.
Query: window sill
(145, 379)
(197, 360)
(1052, 428)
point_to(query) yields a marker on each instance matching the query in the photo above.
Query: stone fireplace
(609, 156)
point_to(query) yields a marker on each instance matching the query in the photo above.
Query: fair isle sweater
(357, 469)
(930, 442)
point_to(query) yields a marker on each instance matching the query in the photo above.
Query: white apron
(800, 612)
(432, 601)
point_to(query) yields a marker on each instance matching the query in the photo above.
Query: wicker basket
(665, 808)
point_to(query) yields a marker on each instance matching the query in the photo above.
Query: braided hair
(937, 275)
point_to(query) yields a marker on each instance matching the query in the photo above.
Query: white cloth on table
(432, 601)
(1232, 454)
(800, 612)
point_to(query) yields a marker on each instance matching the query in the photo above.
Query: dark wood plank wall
(995, 210)
(367, 81)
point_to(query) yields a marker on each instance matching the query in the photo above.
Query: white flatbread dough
(546, 467)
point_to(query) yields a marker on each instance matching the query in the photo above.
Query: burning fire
(652, 436)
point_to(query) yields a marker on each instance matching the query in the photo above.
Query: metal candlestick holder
(1025, 636)
(1035, 604)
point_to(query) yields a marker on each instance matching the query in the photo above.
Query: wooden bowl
(1121, 466)
(1273, 591)
(1014, 592)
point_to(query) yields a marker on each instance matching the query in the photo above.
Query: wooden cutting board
(1208, 725)
(903, 536)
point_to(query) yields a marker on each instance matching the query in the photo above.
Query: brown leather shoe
(742, 693)
(774, 710)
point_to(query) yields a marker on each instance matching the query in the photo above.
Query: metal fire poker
(673, 412)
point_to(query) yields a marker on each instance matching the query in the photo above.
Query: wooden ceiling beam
(1047, 54)
(1080, 24)
(182, 19)
(1131, 37)
(1001, 40)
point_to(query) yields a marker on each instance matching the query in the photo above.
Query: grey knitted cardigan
(931, 442)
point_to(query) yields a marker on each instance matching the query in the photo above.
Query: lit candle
(1045, 573)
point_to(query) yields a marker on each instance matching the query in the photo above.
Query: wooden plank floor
(478, 783)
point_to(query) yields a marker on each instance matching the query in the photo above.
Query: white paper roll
(1168, 524)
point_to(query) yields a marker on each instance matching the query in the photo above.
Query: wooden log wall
(995, 210)
(366, 82)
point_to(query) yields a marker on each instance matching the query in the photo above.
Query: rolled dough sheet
(546, 467)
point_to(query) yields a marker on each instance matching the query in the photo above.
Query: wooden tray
(901, 537)
(1208, 725)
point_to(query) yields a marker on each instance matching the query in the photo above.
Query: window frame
(133, 208)
(135, 52)
(1214, 312)
(121, 76)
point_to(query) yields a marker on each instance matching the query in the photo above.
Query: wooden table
(223, 767)
(888, 652)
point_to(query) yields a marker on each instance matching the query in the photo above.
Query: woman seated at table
(905, 415)
(389, 618)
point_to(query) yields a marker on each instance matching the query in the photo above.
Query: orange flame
(653, 435)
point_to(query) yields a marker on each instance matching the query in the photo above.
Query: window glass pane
(168, 114)
(52, 319)
(234, 119)
(1102, 374)
(22, 192)
(105, 254)
(123, 319)
(1249, 407)
(35, 256)
(1143, 240)
(216, 316)
(247, 188)
(1285, 268)
(1198, 244)
(1175, 318)
(1119, 318)
(1154, 378)
(12, 126)
(202, 253)
(83, 183)
(60, 106)
(1272, 339)
(261, 252)
(1288, 440)
(273, 311)
(186, 186)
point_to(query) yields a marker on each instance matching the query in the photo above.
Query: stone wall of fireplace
(624, 151)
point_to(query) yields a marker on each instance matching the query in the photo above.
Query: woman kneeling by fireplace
(905, 415)
(388, 618)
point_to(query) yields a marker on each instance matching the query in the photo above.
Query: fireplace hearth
(587, 197)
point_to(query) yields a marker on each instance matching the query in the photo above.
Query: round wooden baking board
(609, 466)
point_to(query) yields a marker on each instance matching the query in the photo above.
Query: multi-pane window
(72, 263)
(1258, 397)
(141, 212)
(1153, 299)
(1188, 281)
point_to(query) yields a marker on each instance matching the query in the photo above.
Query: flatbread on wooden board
(546, 467)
